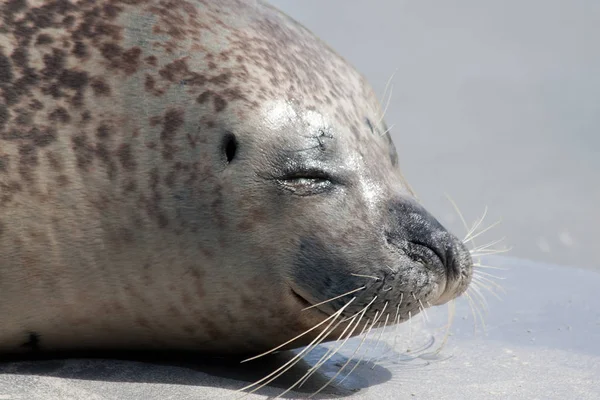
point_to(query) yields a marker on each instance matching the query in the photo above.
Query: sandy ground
(496, 103)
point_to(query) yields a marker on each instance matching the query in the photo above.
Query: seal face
(192, 175)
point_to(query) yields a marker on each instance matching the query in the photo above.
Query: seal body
(193, 174)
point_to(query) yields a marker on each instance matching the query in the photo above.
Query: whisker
(484, 286)
(423, 310)
(367, 276)
(479, 265)
(334, 298)
(481, 232)
(387, 102)
(326, 356)
(479, 272)
(460, 214)
(284, 368)
(388, 129)
(477, 223)
(488, 281)
(489, 252)
(383, 330)
(375, 319)
(335, 315)
(486, 246)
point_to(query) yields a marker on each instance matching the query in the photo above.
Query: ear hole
(229, 147)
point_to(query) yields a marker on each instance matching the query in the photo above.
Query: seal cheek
(319, 274)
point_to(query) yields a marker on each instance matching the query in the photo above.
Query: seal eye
(229, 146)
(306, 183)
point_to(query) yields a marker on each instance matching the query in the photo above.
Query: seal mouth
(307, 305)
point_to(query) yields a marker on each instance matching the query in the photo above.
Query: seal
(198, 175)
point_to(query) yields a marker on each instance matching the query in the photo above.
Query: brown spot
(103, 132)
(84, 152)
(73, 79)
(175, 70)
(152, 60)
(221, 79)
(44, 39)
(4, 115)
(54, 161)
(100, 87)
(36, 105)
(62, 180)
(80, 49)
(27, 160)
(155, 120)
(59, 115)
(4, 162)
(53, 63)
(219, 103)
(126, 157)
(204, 96)
(173, 121)
(131, 60)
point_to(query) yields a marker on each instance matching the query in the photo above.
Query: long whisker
(488, 245)
(479, 265)
(489, 252)
(383, 330)
(460, 214)
(325, 357)
(487, 287)
(476, 224)
(281, 370)
(334, 298)
(388, 129)
(367, 276)
(349, 359)
(334, 316)
(481, 232)
(479, 272)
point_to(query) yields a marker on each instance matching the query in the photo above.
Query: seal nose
(421, 236)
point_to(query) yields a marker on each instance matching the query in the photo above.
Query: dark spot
(20, 57)
(53, 63)
(126, 157)
(3, 116)
(33, 341)
(202, 98)
(103, 131)
(44, 39)
(219, 103)
(222, 79)
(173, 121)
(42, 136)
(152, 60)
(23, 117)
(54, 161)
(229, 146)
(59, 115)
(2, 228)
(62, 180)
(73, 79)
(100, 87)
(369, 124)
(80, 49)
(4, 161)
(84, 152)
(131, 60)
(36, 105)
(86, 116)
(111, 11)
(6, 75)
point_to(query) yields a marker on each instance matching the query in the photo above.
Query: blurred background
(496, 103)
